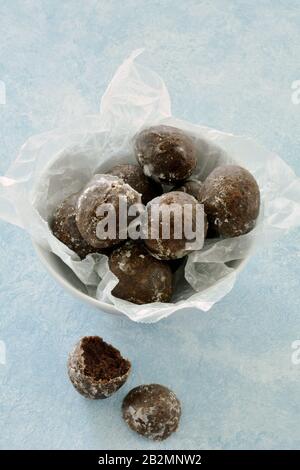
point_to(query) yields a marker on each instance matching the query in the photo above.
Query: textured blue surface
(229, 65)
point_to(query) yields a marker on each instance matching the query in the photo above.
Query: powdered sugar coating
(172, 247)
(87, 385)
(152, 410)
(102, 189)
(142, 278)
(64, 227)
(231, 199)
(165, 153)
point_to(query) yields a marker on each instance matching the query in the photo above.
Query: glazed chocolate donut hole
(142, 278)
(152, 410)
(64, 227)
(165, 153)
(97, 369)
(172, 247)
(231, 199)
(102, 189)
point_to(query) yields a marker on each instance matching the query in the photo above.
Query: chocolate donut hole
(165, 153)
(64, 227)
(97, 369)
(231, 199)
(152, 410)
(102, 189)
(142, 278)
(172, 247)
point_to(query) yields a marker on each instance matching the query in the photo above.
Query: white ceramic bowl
(206, 145)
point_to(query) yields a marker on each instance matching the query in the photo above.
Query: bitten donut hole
(102, 362)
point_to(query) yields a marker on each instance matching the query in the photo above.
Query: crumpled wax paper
(55, 164)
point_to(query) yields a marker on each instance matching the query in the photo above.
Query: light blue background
(229, 65)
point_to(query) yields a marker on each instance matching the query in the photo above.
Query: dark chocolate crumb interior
(101, 360)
